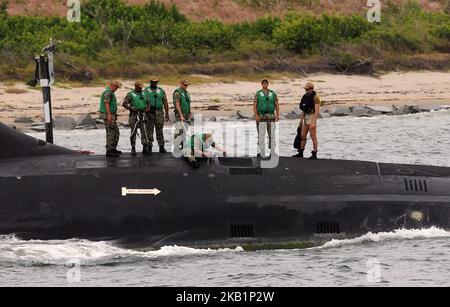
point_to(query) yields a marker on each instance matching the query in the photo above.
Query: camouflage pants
(138, 121)
(112, 132)
(156, 121)
(268, 122)
(179, 131)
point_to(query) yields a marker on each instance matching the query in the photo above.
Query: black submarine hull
(163, 200)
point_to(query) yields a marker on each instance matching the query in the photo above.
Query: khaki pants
(268, 124)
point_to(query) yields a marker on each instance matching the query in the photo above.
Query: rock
(100, 121)
(429, 108)
(359, 107)
(372, 113)
(232, 118)
(40, 128)
(100, 126)
(444, 106)
(212, 119)
(360, 113)
(403, 110)
(297, 111)
(123, 125)
(339, 111)
(85, 120)
(23, 120)
(12, 127)
(86, 127)
(64, 123)
(292, 116)
(415, 110)
(360, 110)
(381, 109)
(245, 115)
(213, 108)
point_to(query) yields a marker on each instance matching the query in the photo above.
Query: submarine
(50, 192)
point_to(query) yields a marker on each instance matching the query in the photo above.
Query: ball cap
(154, 79)
(309, 86)
(116, 83)
(139, 83)
(186, 82)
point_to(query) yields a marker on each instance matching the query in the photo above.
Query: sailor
(310, 105)
(138, 104)
(267, 111)
(183, 113)
(108, 112)
(156, 116)
(199, 146)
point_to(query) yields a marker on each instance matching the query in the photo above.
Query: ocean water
(400, 258)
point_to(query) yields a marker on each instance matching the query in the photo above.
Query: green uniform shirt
(108, 95)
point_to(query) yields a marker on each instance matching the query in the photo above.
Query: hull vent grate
(416, 185)
(328, 227)
(242, 231)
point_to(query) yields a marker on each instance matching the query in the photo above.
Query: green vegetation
(119, 40)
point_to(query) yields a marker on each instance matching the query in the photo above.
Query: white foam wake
(57, 252)
(399, 234)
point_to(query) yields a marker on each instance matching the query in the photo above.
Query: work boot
(133, 151)
(194, 163)
(162, 150)
(300, 154)
(147, 150)
(111, 154)
(314, 155)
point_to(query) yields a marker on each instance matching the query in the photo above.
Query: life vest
(202, 138)
(185, 101)
(139, 100)
(266, 103)
(112, 103)
(307, 103)
(156, 97)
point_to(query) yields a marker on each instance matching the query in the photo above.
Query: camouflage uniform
(112, 130)
(137, 121)
(156, 115)
(156, 120)
(179, 128)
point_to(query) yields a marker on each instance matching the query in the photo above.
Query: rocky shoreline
(89, 122)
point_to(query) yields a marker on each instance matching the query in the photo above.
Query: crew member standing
(310, 105)
(267, 112)
(183, 114)
(138, 104)
(156, 116)
(108, 112)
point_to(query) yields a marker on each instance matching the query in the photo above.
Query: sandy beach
(224, 99)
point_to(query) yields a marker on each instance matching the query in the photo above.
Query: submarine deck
(71, 164)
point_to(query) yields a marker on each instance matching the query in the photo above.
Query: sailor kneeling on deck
(198, 147)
